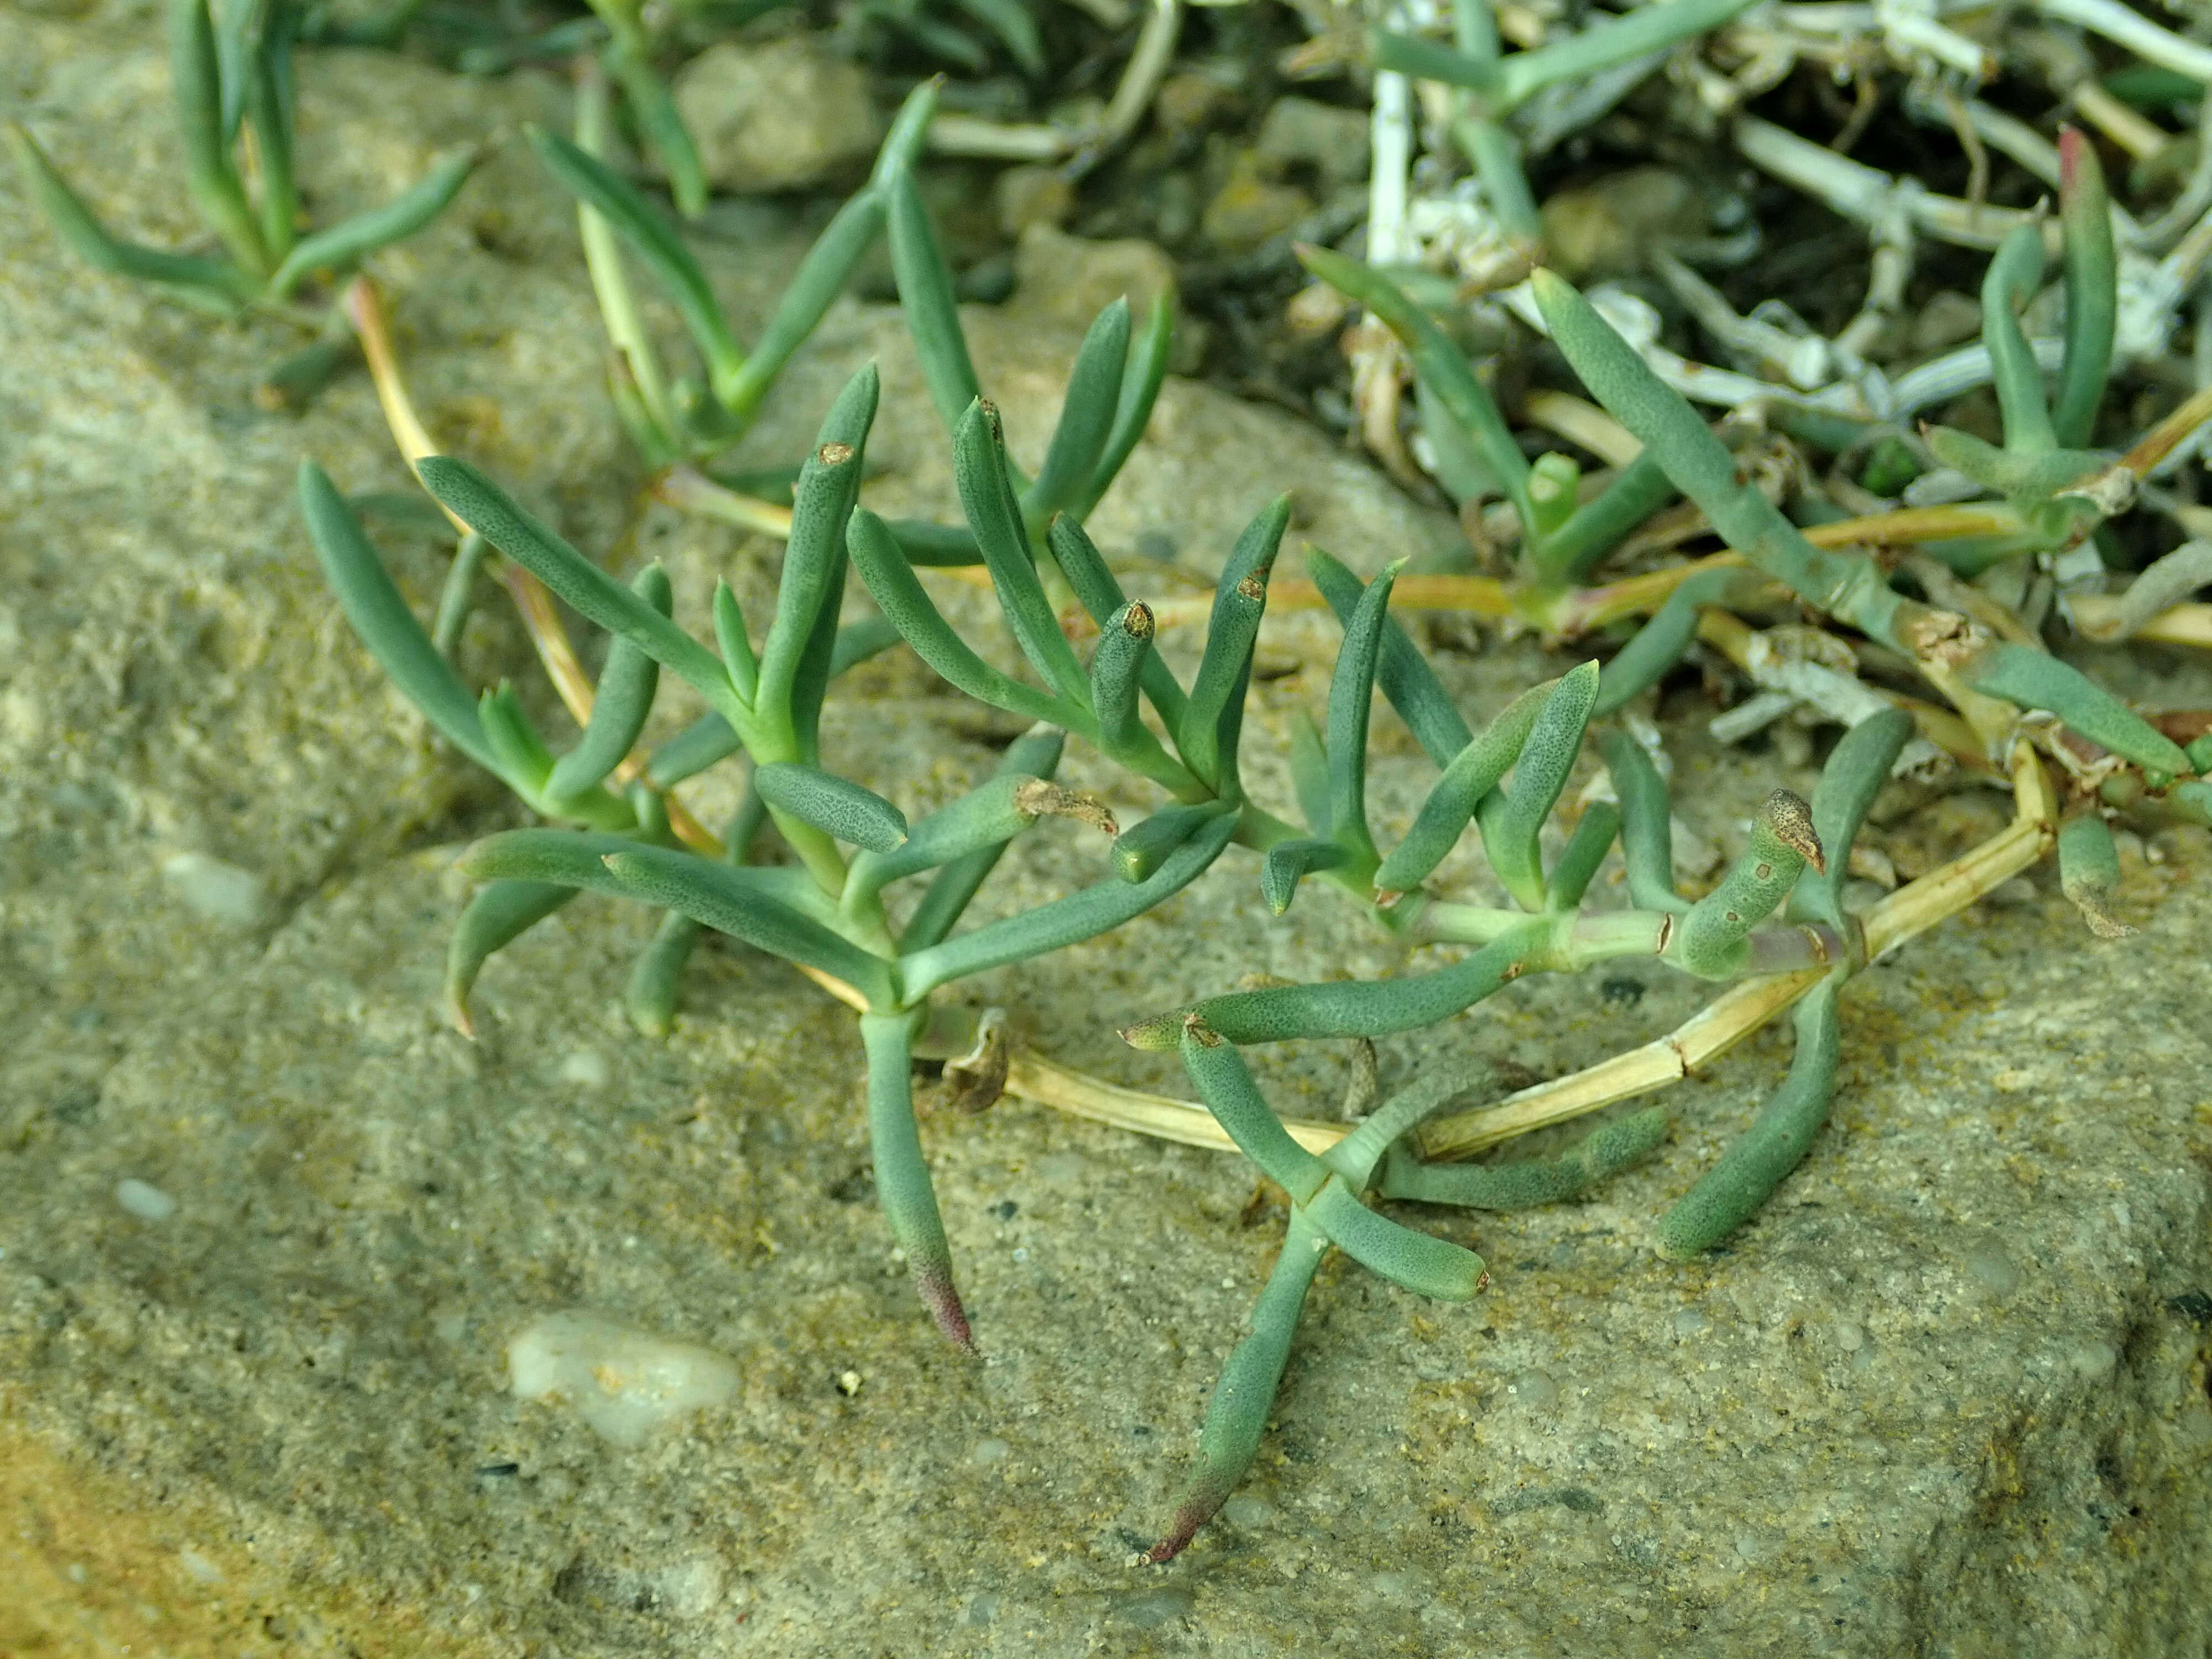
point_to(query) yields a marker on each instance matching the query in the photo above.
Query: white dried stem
(2125, 26)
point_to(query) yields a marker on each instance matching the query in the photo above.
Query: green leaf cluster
(230, 65)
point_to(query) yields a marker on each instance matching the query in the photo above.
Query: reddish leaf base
(943, 1301)
(1205, 1497)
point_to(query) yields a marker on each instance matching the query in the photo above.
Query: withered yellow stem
(1730, 1018)
(692, 490)
(1580, 422)
(1048, 1082)
(364, 309)
(2185, 624)
(2140, 138)
(1915, 524)
(2156, 444)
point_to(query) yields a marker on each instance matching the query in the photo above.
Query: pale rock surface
(1946, 1395)
(784, 114)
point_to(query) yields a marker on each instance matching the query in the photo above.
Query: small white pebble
(627, 1384)
(218, 891)
(849, 1383)
(990, 1451)
(145, 1200)
(1850, 1337)
(587, 1068)
(692, 1589)
(1246, 1510)
(1992, 1269)
(1690, 1322)
(1534, 1389)
(2093, 1359)
(201, 1569)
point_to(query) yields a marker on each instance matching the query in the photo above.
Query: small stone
(1246, 1510)
(990, 1453)
(1605, 229)
(1535, 1390)
(1300, 135)
(849, 1383)
(1248, 210)
(1026, 196)
(1947, 317)
(586, 1068)
(1316, 309)
(1065, 281)
(1151, 1610)
(691, 1589)
(1192, 100)
(220, 892)
(627, 1384)
(784, 115)
(1992, 1269)
(146, 1201)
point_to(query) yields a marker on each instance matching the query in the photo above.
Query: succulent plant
(834, 903)
(231, 80)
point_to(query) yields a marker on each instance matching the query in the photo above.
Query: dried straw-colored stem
(1728, 1020)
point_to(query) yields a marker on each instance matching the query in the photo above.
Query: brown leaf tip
(834, 454)
(1039, 798)
(1791, 821)
(1136, 621)
(1194, 1025)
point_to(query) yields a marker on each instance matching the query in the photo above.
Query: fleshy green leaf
(1214, 718)
(1777, 1142)
(1086, 416)
(1065, 921)
(979, 470)
(620, 704)
(383, 622)
(835, 805)
(1511, 821)
(925, 286)
(1855, 771)
(211, 284)
(489, 511)
(890, 582)
(1407, 681)
(656, 241)
(347, 242)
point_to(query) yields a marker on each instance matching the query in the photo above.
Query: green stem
(1648, 28)
(902, 1184)
(1850, 589)
(197, 88)
(618, 311)
(1496, 155)
(1237, 1416)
